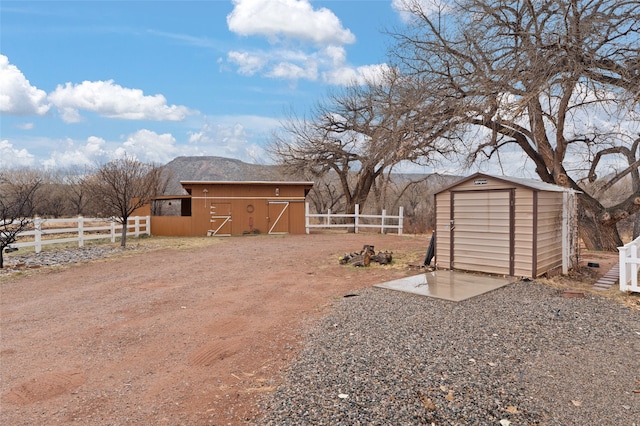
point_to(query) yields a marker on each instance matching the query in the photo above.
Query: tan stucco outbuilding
(231, 208)
(505, 225)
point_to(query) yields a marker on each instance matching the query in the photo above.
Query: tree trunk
(1, 258)
(123, 238)
(594, 234)
(636, 227)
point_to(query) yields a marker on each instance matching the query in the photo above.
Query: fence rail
(629, 263)
(327, 220)
(85, 229)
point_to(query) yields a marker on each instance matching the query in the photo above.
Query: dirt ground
(189, 335)
(176, 335)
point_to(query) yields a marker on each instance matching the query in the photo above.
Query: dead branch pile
(366, 256)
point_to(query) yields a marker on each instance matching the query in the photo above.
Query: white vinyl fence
(80, 229)
(332, 220)
(629, 263)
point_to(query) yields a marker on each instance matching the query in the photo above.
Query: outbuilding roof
(534, 184)
(243, 182)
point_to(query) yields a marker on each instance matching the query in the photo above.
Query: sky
(83, 82)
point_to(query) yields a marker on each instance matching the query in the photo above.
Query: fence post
(148, 227)
(37, 224)
(384, 212)
(357, 213)
(80, 231)
(328, 218)
(113, 231)
(635, 247)
(400, 220)
(623, 268)
(136, 232)
(306, 217)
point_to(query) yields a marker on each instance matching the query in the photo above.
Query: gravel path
(519, 355)
(56, 257)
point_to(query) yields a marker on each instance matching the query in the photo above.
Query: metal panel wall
(442, 229)
(479, 241)
(482, 233)
(524, 232)
(549, 248)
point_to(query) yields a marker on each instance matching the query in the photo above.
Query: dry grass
(583, 279)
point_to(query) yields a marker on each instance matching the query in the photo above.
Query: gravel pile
(57, 257)
(519, 355)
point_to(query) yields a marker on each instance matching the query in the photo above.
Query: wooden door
(278, 217)
(220, 219)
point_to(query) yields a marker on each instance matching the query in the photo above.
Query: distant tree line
(113, 190)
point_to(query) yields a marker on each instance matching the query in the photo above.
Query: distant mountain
(210, 168)
(215, 169)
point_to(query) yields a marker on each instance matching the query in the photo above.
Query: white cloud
(11, 157)
(319, 35)
(233, 136)
(427, 7)
(290, 71)
(25, 126)
(113, 101)
(346, 75)
(145, 145)
(93, 151)
(248, 64)
(330, 63)
(293, 19)
(149, 146)
(17, 95)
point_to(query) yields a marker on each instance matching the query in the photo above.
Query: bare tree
(124, 185)
(54, 200)
(535, 77)
(359, 134)
(17, 200)
(77, 197)
(326, 194)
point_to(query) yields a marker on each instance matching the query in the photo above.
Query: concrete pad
(448, 285)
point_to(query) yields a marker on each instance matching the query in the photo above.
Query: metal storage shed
(505, 225)
(232, 208)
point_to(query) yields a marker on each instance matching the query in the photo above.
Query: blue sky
(82, 82)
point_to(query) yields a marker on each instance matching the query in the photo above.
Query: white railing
(629, 263)
(85, 229)
(327, 220)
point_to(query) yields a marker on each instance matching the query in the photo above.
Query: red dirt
(175, 336)
(172, 336)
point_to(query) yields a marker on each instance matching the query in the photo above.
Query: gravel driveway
(519, 355)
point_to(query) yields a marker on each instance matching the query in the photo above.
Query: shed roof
(243, 182)
(536, 185)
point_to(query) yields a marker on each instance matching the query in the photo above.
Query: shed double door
(482, 231)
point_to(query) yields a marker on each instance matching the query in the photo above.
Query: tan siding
(523, 234)
(481, 233)
(549, 231)
(490, 185)
(443, 244)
